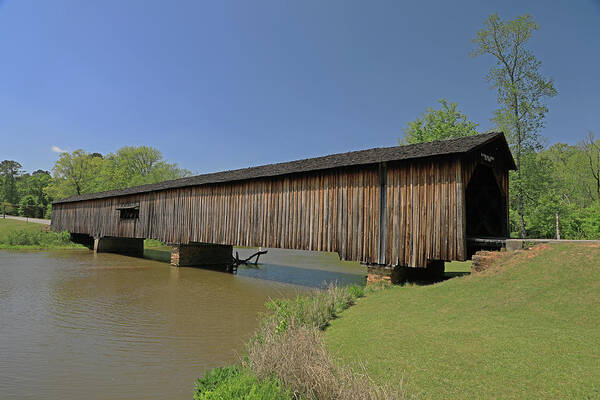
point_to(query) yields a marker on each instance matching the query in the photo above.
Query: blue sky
(231, 84)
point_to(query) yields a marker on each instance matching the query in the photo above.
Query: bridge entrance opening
(485, 206)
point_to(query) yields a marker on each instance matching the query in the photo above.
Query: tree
(131, 166)
(591, 149)
(81, 172)
(444, 123)
(521, 90)
(28, 207)
(75, 174)
(9, 172)
(34, 185)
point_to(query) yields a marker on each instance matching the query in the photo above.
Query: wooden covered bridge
(413, 206)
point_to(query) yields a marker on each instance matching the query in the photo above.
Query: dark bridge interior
(485, 206)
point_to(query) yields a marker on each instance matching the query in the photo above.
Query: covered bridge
(413, 205)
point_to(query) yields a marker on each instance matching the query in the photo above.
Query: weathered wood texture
(425, 202)
(330, 211)
(420, 217)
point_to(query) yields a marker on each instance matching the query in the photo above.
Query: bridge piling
(201, 254)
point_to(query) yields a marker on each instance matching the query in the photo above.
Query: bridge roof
(353, 158)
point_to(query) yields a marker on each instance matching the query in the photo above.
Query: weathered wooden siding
(424, 212)
(336, 210)
(420, 217)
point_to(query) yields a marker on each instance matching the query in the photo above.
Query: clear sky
(230, 84)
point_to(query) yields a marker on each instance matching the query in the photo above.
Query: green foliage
(9, 172)
(9, 208)
(444, 123)
(153, 243)
(131, 166)
(237, 383)
(28, 207)
(81, 172)
(521, 91)
(558, 180)
(48, 211)
(36, 239)
(76, 173)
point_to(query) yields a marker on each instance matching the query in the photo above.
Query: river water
(78, 325)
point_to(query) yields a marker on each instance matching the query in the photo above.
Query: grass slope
(14, 233)
(529, 328)
(10, 225)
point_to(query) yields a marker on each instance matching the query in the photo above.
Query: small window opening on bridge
(129, 212)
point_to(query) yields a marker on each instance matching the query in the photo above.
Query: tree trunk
(520, 193)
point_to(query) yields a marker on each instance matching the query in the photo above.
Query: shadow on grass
(450, 275)
(419, 279)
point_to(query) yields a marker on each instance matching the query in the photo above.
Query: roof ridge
(336, 160)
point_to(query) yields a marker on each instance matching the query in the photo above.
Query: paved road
(36, 220)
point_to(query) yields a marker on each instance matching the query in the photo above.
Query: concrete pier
(201, 254)
(120, 245)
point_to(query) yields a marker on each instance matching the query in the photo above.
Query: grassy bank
(526, 329)
(17, 235)
(287, 356)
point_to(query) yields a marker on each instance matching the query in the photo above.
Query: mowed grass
(529, 328)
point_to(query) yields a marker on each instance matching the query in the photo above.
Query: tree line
(80, 172)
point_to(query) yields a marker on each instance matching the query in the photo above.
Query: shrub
(238, 383)
(38, 239)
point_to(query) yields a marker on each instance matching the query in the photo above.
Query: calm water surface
(75, 325)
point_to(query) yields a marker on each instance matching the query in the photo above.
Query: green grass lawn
(529, 328)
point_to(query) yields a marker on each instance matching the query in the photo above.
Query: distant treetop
(437, 124)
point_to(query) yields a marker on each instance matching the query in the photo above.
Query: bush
(38, 239)
(237, 383)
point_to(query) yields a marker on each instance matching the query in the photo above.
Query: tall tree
(81, 172)
(591, 149)
(443, 123)
(74, 174)
(9, 172)
(521, 90)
